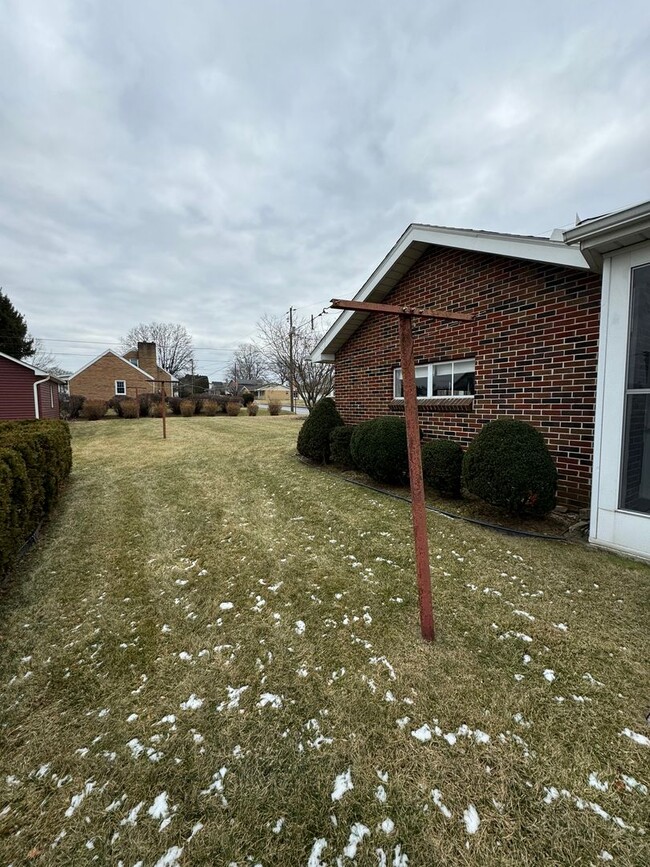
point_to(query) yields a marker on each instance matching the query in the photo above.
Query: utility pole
(192, 369)
(291, 372)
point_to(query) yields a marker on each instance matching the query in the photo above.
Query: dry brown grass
(118, 612)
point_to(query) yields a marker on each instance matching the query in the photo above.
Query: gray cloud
(207, 162)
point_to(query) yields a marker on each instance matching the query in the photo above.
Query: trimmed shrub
(247, 398)
(275, 407)
(146, 401)
(224, 399)
(509, 465)
(210, 407)
(94, 410)
(35, 459)
(198, 405)
(314, 436)
(252, 408)
(340, 445)
(129, 408)
(188, 407)
(442, 462)
(378, 448)
(175, 405)
(233, 407)
(75, 405)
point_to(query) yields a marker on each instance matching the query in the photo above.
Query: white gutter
(36, 384)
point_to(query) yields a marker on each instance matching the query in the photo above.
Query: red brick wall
(534, 341)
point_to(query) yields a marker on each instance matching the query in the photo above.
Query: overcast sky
(207, 161)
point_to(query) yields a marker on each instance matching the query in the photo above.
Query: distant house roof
(101, 355)
(35, 370)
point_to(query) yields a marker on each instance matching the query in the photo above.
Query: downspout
(36, 385)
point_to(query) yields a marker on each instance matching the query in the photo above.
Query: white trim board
(101, 355)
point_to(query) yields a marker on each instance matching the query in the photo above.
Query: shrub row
(151, 405)
(507, 464)
(35, 460)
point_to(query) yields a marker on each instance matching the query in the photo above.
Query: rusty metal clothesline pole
(418, 505)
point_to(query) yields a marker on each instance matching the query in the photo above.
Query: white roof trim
(413, 243)
(35, 370)
(608, 233)
(101, 355)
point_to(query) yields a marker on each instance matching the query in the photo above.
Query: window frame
(429, 367)
(120, 393)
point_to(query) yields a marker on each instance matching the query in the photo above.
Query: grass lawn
(212, 657)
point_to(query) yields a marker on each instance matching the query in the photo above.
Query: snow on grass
(299, 627)
(636, 737)
(171, 858)
(226, 606)
(634, 785)
(316, 852)
(595, 783)
(271, 700)
(357, 832)
(160, 808)
(278, 825)
(472, 819)
(512, 634)
(342, 784)
(423, 734)
(561, 626)
(234, 695)
(192, 703)
(132, 817)
(216, 787)
(436, 796)
(549, 674)
(77, 800)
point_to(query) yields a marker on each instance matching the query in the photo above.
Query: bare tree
(311, 381)
(248, 364)
(173, 344)
(45, 360)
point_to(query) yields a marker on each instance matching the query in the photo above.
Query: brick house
(27, 392)
(541, 307)
(110, 375)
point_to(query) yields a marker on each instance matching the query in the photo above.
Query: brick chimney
(147, 358)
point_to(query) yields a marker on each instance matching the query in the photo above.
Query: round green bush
(442, 462)
(378, 448)
(314, 436)
(340, 445)
(509, 465)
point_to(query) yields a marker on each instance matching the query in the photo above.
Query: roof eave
(412, 244)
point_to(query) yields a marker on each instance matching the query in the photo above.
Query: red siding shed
(17, 393)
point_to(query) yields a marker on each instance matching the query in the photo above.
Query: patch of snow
(380, 794)
(636, 737)
(634, 785)
(388, 826)
(357, 832)
(549, 674)
(512, 634)
(160, 808)
(605, 855)
(171, 858)
(226, 606)
(193, 703)
(402, 722)
(423, 733)
(342, 784)
(268, 698)
(561, 626)
(234, 695)
(77, 799)
(195, 830)
(278, 826)
(471, 819)
(132, 717)
(436, 796)
(132, 817)
(316, 852)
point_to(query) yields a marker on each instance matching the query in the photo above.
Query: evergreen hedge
(378, 448)
(442, 462)
(314, 436)
(509, 465)
(340, 445)
(35, 460)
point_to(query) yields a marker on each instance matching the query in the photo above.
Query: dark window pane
(464, 377)
(441, 379)
(638, 364)
(635, 493)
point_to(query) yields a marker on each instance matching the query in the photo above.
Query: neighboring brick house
(27, 392)
(531, 351)
(132, 374)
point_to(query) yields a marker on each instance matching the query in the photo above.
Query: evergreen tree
(14, 340)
